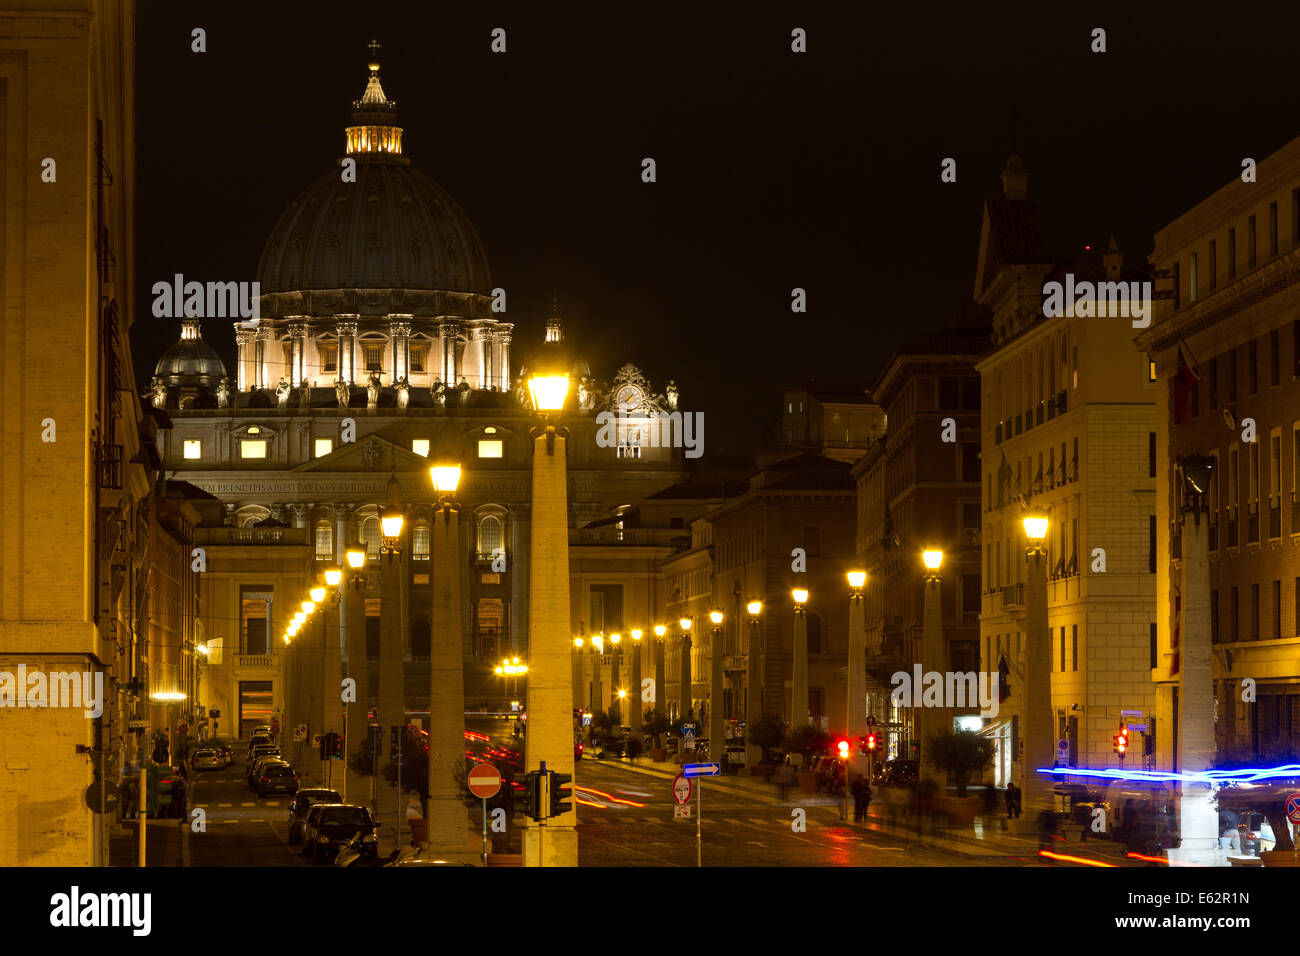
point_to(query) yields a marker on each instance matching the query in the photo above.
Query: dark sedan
(330, 825)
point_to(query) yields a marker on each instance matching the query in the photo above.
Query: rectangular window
(970, 594)
(1214, 617)
(1234, 610)
(417, 358)
(1151, 544)
(1252, 365)
(193, 448)
(1232, 254)
(1151, 454)
(329, 355)
(1214, 382)
(812, 541)
(1231, 358)
(252, 448)
(490, 448)
(1275, 466)
(970, 461)
(1272, 230)
(1254, 611)
(1191, 279)
(1274, 356)
(1074, 366)
(1252, 477)
(1277, 609)
(324, 541)
(1063, 649)
(1152, 643)
(324, 446)
(420, 446)
(1074, 647)
(374, 358)
(1250, 243)
(1213, 264)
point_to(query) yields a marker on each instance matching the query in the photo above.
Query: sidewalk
(987, 836)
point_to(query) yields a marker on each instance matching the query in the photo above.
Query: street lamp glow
(932, 559)
(548, 392)
(622, 694)
(298, 618)
(334, 575)
(660, 630)
(599, 642)
(615, 638)
(577, 642)
(356, 558)
(636, 633)
(716, 617)
(317, 594)
(857, 579)
(445, 478)
(308, 607)
(391, 520)
(684, 624)
(755, 608)
(500, 670)
(800, 596)
(1035, 527)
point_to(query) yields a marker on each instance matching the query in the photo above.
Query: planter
(1277, 857)
(808, 781)
(962, 810)
(762, 771)
(658, 754)
(419, 829)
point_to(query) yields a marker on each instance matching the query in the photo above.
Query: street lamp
(445, 815)
(333, 576)
(357, 704)
(717, 711)
(1038, 720)
(356, 558)
(857, 675)
(799, 685)
(753, 682)
(550, 731)
(317, 595)
(634, 716)
(932, 656)
(659, 648)
(391, 519)
(685, 708)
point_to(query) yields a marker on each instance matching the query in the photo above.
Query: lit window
(420, 541)
(420, 446)
(329, 358)
(324, 446)
(254, 430)
(324, 540)
(372, 536)
(488, 448)
(1151, 370)
(489, 536)
(417, 359)
(193, 448)
(253, 449)
(490, 430)
(374, 358)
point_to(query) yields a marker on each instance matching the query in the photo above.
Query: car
(262, 729)
(301, 803)
(420, 856)
(206, 759)
(330, 826)
(276, 776)
(260, 740)
(256, 767)
(898, 773)
(577, 750)
(256, 752)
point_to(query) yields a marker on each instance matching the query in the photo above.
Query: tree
(811, 741)
(961, 754)
(766, 733)
(656, 725)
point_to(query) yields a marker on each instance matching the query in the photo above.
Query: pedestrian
(129, 796)
(1013, 800)
(861, 798)
(783, 777)
(179, 793)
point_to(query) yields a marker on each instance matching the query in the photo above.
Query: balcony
(1013, 597)
(211, 536)
(110, 467)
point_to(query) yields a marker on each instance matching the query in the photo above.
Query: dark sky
(775, 170)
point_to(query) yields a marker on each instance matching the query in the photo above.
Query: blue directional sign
(702, 770)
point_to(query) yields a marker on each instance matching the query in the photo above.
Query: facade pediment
(372, 453)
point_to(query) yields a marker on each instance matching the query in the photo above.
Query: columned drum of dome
(375, 277)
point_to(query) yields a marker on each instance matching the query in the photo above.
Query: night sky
(775, 169)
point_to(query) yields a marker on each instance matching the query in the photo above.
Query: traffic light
(873, 743)
(561, 793)
(842, 749)
(337, 749)
(532, 798)
(1121, 740)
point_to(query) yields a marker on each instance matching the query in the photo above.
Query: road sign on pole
(1293, 808)
(701, 770)
(484, 781)
(681, 789)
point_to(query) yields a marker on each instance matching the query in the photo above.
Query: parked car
(224, 754)
(276, 776)
(303, 802)
(262, 729)
(256, 752)
(256, 769)
(205, 759)
(261, 740)
(330, 825)
(898, 773)
(419, 856)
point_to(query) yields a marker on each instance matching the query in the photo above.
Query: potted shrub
(765, 733)
(961, 754)
(810, 741)
(656, 725)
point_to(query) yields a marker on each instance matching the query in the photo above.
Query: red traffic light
(1121, 740)
(843, 748)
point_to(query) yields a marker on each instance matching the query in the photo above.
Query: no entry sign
(484, 781)
(681, 789)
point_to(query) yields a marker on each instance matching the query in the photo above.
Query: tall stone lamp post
(392, 701)
(354, 713)
(924, 722)
(684, 671)
(635, 706)
(799, 686)
(857, 676)
(445, 814)
(1198, 818)
(552, 841)
(660, 694)
(1037, 731)
(615, 701)
(717, 713)
(753, 682)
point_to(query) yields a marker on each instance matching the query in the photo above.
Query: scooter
(358, 851)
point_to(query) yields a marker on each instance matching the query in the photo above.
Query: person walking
(861, 798)
(783, 777)
(1013, 801)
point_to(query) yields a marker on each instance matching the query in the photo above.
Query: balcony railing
(257, 660)
(1013, 596)
(663, 537)
(250, 535)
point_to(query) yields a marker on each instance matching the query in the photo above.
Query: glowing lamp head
(598, 642)
(622, 694)
(660, 630)
(615, 638)
(636, 633)
(286, 639)
(857, 579)
(356, 558)
(684, 624)
(755, 608)
(334, 575)
(548, 392)
(298, 618)
(445, 478)
(500, 670)
(1035, 527)
(800, 596)
(317, 594)
(391, 519)
(577, 642)
(716, 617)
(932, 559)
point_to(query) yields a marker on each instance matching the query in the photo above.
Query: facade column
(400, 331)
(355, 787)
(261, 339)
(503, 361)
(799, 684)
(486, 344)
(347, 363)
(661, 688)
(684, 705)
(298, 343)
(635, 705)
(243, 339)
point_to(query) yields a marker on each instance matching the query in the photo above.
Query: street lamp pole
(1037, 733)
(354, 713)
(615, 708)
(753, 683)
(550, 725)
(637, 705)
(661, 693)
(932, 655)
(799, 688)
(597, 661)
(392, 566)
(684, 669)
(857, 676)
(444, 815)
(717, 713)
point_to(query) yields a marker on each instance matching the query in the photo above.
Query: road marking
(733, 822)
(758, 821)
(755, 843)
(248, 804)
(256, 821)
(225, 804)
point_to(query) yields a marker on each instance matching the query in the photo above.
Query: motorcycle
(357, 852)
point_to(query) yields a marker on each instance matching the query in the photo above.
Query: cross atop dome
(373, 128)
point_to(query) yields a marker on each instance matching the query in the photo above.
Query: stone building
(1225, 348)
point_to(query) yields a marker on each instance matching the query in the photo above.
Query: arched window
(421, 644)
(489, 535)
(420, 541)
(372, 536)
(324, 540)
